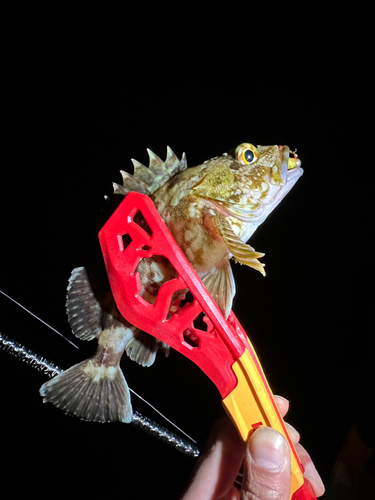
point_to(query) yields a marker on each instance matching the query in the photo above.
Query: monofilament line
(40, 364)
(43, 365)
(39, 319)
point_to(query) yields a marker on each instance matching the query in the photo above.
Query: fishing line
(39, 319)
(43, 365)
(39, 362)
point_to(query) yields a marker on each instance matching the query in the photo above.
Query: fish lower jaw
(294, 174)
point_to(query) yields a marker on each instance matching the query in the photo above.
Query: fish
(211, 210)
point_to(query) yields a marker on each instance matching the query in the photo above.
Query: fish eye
(248, 156)
(246, 153)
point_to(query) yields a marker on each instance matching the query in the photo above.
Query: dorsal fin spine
(133, 184)
(148, 180)
(143, 173)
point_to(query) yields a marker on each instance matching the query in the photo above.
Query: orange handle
(250, 406)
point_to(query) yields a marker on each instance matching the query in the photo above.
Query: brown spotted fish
(211, 210)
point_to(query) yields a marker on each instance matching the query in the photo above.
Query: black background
(74, 113)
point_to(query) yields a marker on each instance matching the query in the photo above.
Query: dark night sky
(72, 118)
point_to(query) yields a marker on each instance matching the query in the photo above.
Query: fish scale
(211, 211)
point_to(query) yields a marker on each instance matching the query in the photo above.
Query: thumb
(267, 466)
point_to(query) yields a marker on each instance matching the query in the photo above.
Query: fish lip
(285, 152)
(294, 175)
(289, 175)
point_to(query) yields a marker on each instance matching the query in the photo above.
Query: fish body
(211, 210)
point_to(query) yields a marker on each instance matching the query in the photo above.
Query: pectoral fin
(222, 288)
(243, 253)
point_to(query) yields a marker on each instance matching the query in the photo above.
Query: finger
(267, 466)
(293, 433)
(283, 405)
(233, 494)
(311, 474)
(217, 468)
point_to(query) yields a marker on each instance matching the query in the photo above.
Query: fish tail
(91, 391)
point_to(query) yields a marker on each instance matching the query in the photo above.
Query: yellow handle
(251, 405)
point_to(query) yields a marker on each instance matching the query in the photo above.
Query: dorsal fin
(133, 184)
(156, 164)
(142, 173)
(148, 180)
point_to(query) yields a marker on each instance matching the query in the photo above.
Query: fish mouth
(289, 173)
(292, 174)
(289, 176)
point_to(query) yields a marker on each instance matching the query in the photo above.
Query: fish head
(246, 184)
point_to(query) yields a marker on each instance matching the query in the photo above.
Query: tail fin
(90, 391)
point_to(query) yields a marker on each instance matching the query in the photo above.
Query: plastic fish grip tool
(223, 351)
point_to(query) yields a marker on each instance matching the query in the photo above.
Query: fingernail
(268, 448)
(282, 397)
(312, 475)
(294, 434)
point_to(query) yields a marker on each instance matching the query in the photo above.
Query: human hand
(266, 459)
